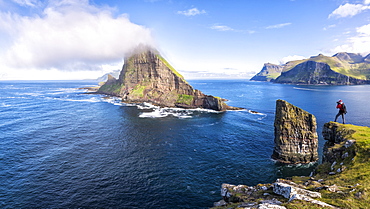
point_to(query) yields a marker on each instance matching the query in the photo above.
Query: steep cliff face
(296, 139)
(148, 77)
(311, 72)
(339, 144)
(269, 72)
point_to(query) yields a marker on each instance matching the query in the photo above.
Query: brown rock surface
(296, 139)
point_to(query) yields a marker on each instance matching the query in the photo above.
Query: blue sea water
(61, 148)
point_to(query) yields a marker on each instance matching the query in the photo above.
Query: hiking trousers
(340, 113)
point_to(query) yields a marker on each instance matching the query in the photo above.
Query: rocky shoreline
(341, 181)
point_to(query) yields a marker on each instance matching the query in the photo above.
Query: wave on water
(4, 105)
(152, 111)
(263, 115)
(161, 112)
(63, 90)
(116, 101)
(93, 100)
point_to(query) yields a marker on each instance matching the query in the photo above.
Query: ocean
(61, 148)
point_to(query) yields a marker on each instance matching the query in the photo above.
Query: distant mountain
(314, 73)
(104, 77)
(269, 72)
(340, 69)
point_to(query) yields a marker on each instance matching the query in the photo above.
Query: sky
(202, 39)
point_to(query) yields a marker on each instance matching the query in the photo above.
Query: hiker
(342, 110)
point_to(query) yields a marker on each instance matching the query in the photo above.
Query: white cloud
(278, 25)
(366, 2)
(221, 28)
(227, 28)
(192, 12)
(31, 3)
(359, 43)
(330, 26)
(349, 10)
(69, 35)
(291, 58)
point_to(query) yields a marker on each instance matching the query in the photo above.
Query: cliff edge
(341, 181)
(147, 77)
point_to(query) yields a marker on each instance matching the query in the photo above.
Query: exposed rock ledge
(272, 195)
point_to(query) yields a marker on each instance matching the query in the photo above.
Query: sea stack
(147, 77)
(296, 139)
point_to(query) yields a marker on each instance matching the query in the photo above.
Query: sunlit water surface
(60, 148)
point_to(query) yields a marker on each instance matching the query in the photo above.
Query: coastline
(341, 182)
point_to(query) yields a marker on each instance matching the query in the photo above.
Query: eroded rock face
(148, 77)
(338, 145)
(296, 139)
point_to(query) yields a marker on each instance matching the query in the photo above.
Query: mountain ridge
(352, 67)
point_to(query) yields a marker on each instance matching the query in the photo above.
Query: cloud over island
(67, 35)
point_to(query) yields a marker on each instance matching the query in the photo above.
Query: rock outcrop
(250, 197)
(338, 145)
(147, 77)
(269, 72)
(296, 139)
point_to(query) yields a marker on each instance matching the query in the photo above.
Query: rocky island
(147, 77)
(340, 69)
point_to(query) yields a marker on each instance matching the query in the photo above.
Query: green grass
(273, 75)
(138, 91)
(185, 99)
(357, 172)
(111, 88)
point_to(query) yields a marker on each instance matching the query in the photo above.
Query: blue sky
(77, 39)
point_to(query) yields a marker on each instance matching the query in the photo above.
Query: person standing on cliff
(342, 110)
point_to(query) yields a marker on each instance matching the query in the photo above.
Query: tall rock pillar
(296, 139)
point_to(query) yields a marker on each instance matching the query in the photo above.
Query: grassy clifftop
(343, 181)
(353, 180)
